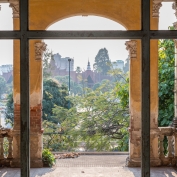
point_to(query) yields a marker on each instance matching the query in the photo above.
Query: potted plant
(48, 158)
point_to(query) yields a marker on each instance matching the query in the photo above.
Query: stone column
(133, 47)
(14, 4)
(35, 98)
(135, 95)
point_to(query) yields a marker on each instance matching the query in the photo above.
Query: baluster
(1, 148)
(175, 144)
(170, 146)
(161, 148)
(10, 139)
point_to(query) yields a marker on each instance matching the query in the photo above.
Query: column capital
(131, 46)
(14, 4)
(40, 47)
(157, 4)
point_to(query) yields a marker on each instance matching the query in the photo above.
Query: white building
(63, 63)
(118, 64)
(5, 69)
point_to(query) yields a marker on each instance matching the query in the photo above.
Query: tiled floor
(91, 166)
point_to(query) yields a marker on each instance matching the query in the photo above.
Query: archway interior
(84, 51)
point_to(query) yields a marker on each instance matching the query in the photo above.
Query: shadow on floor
(156, 172)
(15, 172)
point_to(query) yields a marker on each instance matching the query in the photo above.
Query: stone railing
(6, 139)
(167, 154)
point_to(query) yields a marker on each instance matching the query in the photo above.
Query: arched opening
(83, 54)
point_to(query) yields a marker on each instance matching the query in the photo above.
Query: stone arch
(41, 16)
(90, 15)
(97, 15)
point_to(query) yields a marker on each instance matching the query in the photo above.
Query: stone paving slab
(89, 172)
(102, 166)
(93, 161)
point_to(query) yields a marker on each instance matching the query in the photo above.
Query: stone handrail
(168, 158)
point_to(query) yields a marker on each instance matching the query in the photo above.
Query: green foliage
(53, 94)
(75, 88)
(9, 112)
(55, 139)
(102, 61)
(3, 85)
(48, 158)
(122, 90)
(166, 82)
(97, 85)
(46, 64)
(96, 119)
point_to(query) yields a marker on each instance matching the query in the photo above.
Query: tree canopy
(53, 94)
(3, 85)
(97, 119)
(47, 57)
(166, 81)
(102, 61)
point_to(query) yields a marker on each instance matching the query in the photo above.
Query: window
(145, 34)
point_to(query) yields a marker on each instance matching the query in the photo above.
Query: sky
(80, 50)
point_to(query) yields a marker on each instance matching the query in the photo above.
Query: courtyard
(91, 166)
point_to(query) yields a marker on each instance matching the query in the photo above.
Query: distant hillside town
(60, 67)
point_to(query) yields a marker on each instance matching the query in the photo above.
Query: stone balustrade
(167, 154)
(6, 139)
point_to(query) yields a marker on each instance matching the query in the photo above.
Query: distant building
(60, 67)
(118, 64)
(63, 63)
(6, 71)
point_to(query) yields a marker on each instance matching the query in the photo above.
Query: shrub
(48, 158)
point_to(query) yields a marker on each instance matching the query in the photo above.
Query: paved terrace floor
(91, 166)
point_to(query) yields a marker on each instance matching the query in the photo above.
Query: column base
(15, 163)
(38, 163)
(136, 162)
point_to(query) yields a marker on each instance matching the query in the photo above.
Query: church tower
(88, 65)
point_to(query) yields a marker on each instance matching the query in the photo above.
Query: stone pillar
(135, 95)
(35, 97)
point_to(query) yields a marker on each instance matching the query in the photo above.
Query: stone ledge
(37, 163)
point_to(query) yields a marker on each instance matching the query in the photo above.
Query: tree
(166, 81)
(96, 119)
(2, 85)
(9, 112)
(46, 64)
(78, 69)
(102, 61)
(53, 94)
(75, 88)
